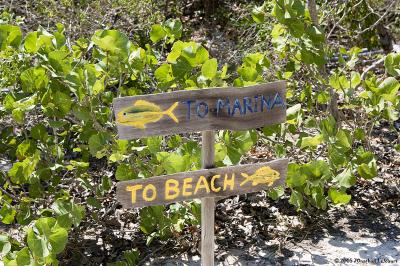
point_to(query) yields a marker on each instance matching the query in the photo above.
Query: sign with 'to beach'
(224, 181)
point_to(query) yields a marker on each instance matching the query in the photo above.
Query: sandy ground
(352, 248)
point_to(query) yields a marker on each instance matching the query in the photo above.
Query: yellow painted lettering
(213, 188)
(153, 191)
(171, 185)
(229, 182)
(133, 190)
(202, 183)
(187, 185)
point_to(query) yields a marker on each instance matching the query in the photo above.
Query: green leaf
(92, 201)
(296, 199)
(392, 64)
(39, 132)
(7, 213)
(173, 162)
(164, 74)
(98, 86)
(5, 244)
(131, 256)
(181, 67)
(34, 79)
(334, 81)
(20, 172)
(18, 115)
(339, 197)
(63, 101)
(248, 73)
(31, 42)
(74, 211)
(367, 171)
(295, 176)
(58, 239)
(315, 34)
(24, 258)
(344, 139)
(317, 171)
(112, 41)
(258, 14)
(355, 79)
(271, 130)
(209, 68)
(173, 28)
(359, 134)
(389, 88)
(97, 143)
(82, 113)
(276, 192)
(291, 111)
(8, 102)
(154, 143)
(25, 149)
(220, 152)
(311, 142)
(125, 172)
(157, 33)
(345, 179)
(10, 35)
(328, 127)
(46, 237)
(397, 147)
(24, 215)
(277, 31)
(296, 27)
(37, 244)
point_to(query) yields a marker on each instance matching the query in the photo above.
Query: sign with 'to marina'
(199, 110)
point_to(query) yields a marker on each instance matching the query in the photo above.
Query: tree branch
(373, 26)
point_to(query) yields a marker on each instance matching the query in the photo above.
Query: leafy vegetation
(58, 127)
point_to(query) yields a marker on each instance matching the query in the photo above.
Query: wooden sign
(203, 110)
(200, 110)
(224, 181)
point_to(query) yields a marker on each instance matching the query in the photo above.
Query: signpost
(203, 110)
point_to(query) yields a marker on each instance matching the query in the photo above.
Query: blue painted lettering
(221, 104)
(236, 105)
(278, 101)
(203, 113)
(266, 102)
(255, 103)
(188, 102)
(247, 105)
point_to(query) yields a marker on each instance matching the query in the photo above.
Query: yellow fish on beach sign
(199, 110)
(263, 175)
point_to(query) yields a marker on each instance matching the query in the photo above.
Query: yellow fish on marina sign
(143, 112)
(263, 175)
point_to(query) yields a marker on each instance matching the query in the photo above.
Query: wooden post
(207, 204)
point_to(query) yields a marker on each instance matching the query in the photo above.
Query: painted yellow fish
(263, 175)
(143, 112)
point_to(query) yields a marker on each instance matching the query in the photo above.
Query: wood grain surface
(224, 181)
(199, 110)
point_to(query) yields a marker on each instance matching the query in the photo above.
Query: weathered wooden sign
(202, 110)
(224, 181)
(199, 110)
